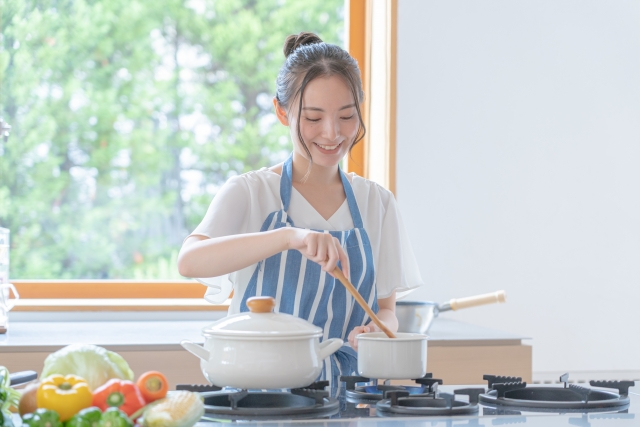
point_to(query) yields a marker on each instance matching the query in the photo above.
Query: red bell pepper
(121, 394)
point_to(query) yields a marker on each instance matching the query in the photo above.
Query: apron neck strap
(351, 200)
(286, 184)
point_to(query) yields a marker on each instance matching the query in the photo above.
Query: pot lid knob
(261, 304)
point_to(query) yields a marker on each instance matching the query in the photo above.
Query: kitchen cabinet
(459, 353)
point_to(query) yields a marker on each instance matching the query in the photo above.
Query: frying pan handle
(491, 298)
(22, 377)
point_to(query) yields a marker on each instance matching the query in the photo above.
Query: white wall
(519, 168)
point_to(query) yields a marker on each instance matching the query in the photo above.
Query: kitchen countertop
(166, 335)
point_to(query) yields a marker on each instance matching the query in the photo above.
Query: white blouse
(244, 202)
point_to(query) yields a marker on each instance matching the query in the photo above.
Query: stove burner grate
(443, 404)
(368, 393)
(310, 402)
(511, 392)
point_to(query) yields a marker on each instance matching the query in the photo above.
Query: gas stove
(363, 401)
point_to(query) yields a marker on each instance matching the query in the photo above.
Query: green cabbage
(95, 364)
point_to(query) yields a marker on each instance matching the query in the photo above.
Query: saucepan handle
(195, 349)
(458, 303)
(328, 347)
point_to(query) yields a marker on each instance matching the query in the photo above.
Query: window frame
(359, 43)
(187, 295)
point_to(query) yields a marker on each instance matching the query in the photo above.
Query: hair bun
(294, 41)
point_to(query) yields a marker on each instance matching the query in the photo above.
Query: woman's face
(328, 123)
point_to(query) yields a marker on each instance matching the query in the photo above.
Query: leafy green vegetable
(8, 397)
(95, 364)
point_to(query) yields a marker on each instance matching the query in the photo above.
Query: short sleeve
(227, 215)
(397, 266)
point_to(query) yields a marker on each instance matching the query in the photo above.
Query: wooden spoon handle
(353, 291)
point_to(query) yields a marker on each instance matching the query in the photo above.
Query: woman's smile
(328, 149)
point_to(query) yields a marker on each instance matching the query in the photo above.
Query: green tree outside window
(128, 116)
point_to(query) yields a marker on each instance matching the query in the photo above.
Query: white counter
(166, 335)
(457, 352)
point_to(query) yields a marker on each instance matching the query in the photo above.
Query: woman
(281, 231)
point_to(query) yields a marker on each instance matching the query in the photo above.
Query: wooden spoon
(353, 291)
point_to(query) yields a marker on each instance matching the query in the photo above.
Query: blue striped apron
(302, 289)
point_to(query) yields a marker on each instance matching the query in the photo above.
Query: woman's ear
(280, 113)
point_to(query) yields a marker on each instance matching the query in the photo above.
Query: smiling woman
(286, 232)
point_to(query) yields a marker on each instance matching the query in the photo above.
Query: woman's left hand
(359, 330)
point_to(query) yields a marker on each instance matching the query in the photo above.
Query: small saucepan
(418, 316)
(399, 358)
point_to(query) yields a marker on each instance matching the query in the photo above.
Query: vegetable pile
(89, 386)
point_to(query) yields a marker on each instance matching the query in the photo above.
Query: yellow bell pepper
(66, 395)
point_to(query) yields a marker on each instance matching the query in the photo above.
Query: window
(126, 119)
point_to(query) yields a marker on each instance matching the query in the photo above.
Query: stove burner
(401, 403)
(367, 393)
(309, 402)
(511, 392)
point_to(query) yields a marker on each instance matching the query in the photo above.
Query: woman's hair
(308, 57)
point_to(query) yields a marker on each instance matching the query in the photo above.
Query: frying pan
(418, 316)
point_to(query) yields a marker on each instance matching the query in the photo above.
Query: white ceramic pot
(261, 349)
(400, 358)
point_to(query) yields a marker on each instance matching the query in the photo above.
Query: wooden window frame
(187, 295)
(358, 41)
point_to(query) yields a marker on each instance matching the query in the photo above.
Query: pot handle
(491, 298)
(195, 349)
(330, 346)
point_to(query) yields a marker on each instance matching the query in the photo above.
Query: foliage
(128, 116)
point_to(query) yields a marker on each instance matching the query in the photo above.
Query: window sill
(117, 304)
(113, 295)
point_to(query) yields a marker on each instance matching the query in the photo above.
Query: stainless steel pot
(418, 316)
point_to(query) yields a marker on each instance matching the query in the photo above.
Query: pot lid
(262, 322)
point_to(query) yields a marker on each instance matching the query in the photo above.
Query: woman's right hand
(321, 248)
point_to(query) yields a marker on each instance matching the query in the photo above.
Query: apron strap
(351, 200)
(286, 183)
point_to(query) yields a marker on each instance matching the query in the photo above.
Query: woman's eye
(348, 118)
(312, 120)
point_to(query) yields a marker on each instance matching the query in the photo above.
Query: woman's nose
(331, 129)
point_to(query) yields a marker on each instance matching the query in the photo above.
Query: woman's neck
(319, 175)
